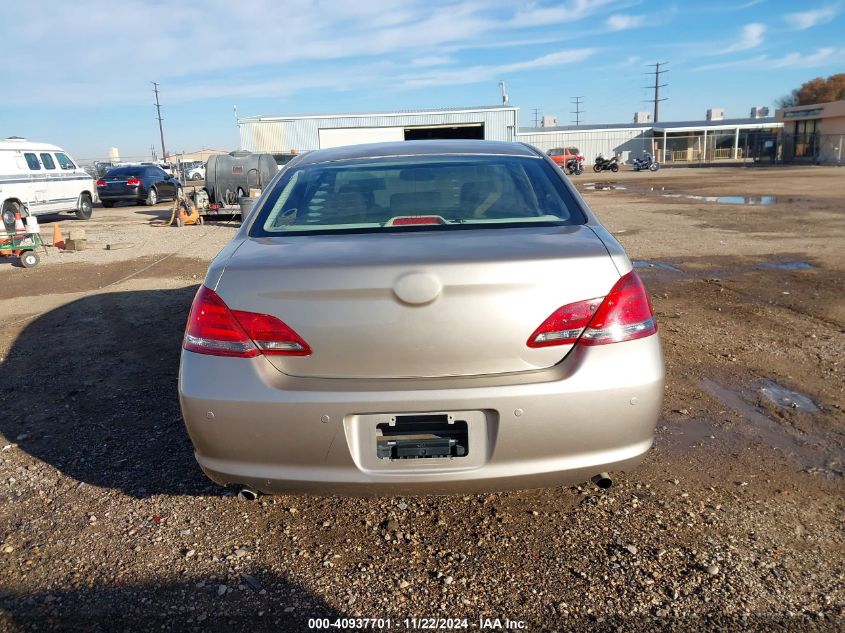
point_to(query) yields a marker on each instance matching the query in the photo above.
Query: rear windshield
(416, 193)
(125, 171)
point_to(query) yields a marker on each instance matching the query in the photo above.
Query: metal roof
(675, 125)
(658, 127)
(335, 115)
(418, 148)
(587, 128)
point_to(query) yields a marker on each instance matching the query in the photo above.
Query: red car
(562, 154)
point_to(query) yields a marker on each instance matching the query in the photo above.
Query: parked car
(196, 173)
(561, 155)
(102, 168)
(142, 184)
(420, 317)
(38, 178)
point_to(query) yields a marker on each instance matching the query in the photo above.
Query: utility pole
(536, 117)
(576, 101)
(160, 129)
(504, 87)
(153, 152)
(657, 86)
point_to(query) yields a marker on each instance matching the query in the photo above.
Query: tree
(818, 90)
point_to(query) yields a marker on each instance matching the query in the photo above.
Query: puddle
(786, 266)
(658, 266)
(740, 200)
(787, 398)
(668, 193)
(646, 265)
(603, 186)
(809, 449)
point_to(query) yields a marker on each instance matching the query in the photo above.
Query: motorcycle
(574, 166)
(606, 164)
(647, 162)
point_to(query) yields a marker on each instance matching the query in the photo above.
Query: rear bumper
(122, 197)
(252, 425)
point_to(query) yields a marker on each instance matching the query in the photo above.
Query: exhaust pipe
(245, 493)
(602, 480)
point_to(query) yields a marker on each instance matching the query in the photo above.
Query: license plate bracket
(422, 436)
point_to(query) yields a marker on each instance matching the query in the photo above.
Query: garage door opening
(445, 132)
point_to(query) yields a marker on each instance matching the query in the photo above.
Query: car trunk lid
(420, 303)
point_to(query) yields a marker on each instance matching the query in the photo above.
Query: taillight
(272, 336)
(101, 183)
(214, 329)
(133, 182)
(624, 314)
(565, 324)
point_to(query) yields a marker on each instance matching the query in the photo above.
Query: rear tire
(654, 166)
(85, 207)
(196, 177)
(152, 197)
(614, 168)
(29, 259)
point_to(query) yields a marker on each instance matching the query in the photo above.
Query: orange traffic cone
(58, 240)
(19, 227)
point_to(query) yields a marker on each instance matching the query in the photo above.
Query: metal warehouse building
(682, 142)
(626, 139)
(278, 134)
(672, 142)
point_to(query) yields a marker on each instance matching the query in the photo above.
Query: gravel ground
(734, 521)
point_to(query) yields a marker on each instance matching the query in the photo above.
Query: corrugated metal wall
(628, 143)
(303, 134)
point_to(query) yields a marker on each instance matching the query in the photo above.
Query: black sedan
(142, 184)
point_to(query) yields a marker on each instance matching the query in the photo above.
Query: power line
(576, 101)
(158, 115)
(657, 86)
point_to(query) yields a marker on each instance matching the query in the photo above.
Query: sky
(78, 74)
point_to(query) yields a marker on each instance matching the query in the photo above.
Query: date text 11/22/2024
(416, 624)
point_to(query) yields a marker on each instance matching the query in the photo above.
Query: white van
(37, 178)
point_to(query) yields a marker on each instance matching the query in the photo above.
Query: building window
(805, 138)
(47, 161)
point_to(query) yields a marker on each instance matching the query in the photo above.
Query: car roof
(418, 148)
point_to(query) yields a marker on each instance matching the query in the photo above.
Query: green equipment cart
(21, 245)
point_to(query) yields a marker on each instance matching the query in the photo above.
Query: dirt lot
(734, 522)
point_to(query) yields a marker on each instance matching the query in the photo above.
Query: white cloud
(750, 37)
(619, 22)
(534, 14)
(478, 74)
(95, 59)
(821, 57)
(432, 60)
(808, 19)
